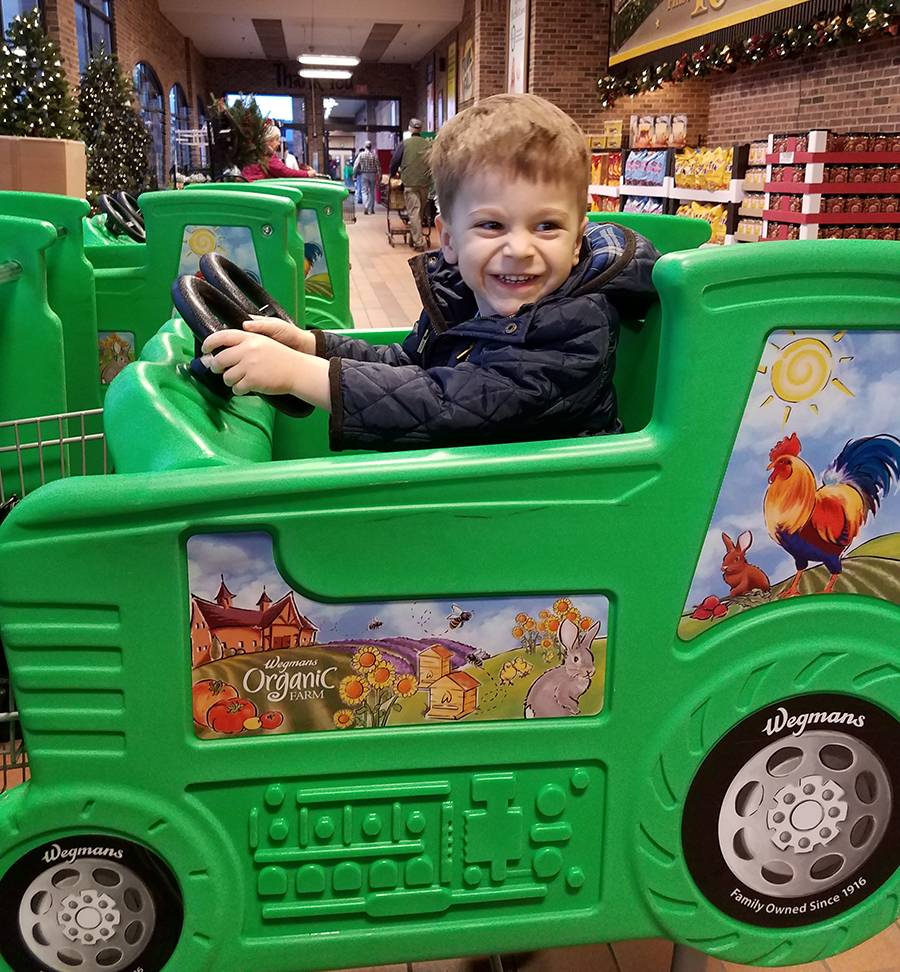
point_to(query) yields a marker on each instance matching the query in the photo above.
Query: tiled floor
(382, 294)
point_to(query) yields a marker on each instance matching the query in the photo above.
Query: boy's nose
(519, 243)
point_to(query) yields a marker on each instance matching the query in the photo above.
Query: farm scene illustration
(809, 503)
(235, 242)
(280, 662)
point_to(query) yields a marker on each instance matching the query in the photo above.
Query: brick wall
(142, 33)
(59, 19)
(491, 20)
(465, 30)
(687, 97)
(854, 89)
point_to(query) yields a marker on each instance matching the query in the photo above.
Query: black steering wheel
(119, 220)
(206, 309)
(129, 203)
(236, 283)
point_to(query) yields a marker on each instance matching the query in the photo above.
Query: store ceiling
(398, 32)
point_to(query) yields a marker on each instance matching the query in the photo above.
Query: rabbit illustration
(117, 365)
(740, 576)
(557, 691)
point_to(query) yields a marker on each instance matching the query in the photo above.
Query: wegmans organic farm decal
(264, 658)
(808, 504)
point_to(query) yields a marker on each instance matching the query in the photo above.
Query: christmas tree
(114, 135)
(239, 129)
(34, 95)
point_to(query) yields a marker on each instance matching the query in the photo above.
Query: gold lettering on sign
(700, 6)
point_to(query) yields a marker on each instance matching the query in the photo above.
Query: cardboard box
(53, 165)
(679, 130)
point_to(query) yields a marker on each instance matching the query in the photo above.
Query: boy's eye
(489, 224)
(548, 225)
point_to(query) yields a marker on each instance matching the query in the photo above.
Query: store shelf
(750, 213)
(835, 188)
(802, 219)
(657, 192)
(835, 158)
(733, 194)
(611, 191)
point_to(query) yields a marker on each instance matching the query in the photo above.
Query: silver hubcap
(804, 813)
(90, 915)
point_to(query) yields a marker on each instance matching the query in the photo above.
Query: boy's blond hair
(519, 134)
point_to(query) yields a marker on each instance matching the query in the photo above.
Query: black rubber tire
(690, 887)
(237, 284)
(119, 220)
(134, 907)
(206, 309)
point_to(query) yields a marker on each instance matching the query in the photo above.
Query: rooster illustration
(311, 253)
(818, 525)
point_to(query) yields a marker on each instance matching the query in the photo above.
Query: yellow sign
(640, 27)
(451, 80)
(467, 69)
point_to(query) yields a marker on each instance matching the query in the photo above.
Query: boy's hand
(282, 332)
(256, 363)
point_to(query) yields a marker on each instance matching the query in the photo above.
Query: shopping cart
(398, 218)
(34, 451)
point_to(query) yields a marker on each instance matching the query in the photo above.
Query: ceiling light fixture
(325, 73)
(329, 60)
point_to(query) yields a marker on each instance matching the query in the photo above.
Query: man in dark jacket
(519, 329)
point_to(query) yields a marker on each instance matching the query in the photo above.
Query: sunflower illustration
(343, 718)
(353, 690)
(406, 685)
(366, 658)
(382, 675)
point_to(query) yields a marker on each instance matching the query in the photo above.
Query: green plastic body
(328, 305)
(500, 836)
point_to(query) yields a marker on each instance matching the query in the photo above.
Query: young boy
(518, 334)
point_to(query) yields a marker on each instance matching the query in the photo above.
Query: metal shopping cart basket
(34, 451)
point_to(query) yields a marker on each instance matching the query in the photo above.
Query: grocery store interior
(766, 121)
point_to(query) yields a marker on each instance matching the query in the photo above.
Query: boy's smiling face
(515, 240)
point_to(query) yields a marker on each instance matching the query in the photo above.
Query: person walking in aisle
(410, 160)
(368, 168)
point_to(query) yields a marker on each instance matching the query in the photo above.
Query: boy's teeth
(509, 278)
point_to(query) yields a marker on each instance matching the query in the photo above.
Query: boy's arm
(503, 392)
(272, 357)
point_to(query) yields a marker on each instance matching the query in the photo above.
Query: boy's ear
(577, 254)
(443, 228)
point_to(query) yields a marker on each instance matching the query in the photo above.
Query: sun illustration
(803, 369)
(204, 239)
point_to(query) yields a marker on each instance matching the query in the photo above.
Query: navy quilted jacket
(457, 379)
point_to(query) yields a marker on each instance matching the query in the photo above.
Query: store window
(179, 123)
(201, 124)
(289, 114)
(93, 24)
(10, 9)
(153, 114)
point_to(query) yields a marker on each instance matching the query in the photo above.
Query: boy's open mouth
(509, 278)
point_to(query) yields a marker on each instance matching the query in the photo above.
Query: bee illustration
(374, 623)
(458, 617)
(477, 657)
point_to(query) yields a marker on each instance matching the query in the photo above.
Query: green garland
(854, 24)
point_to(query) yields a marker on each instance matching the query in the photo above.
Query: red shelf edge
(834, 188)
(862, 219)
(844, 158)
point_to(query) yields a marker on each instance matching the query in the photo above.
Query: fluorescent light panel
(329, 60)
(325, 73)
